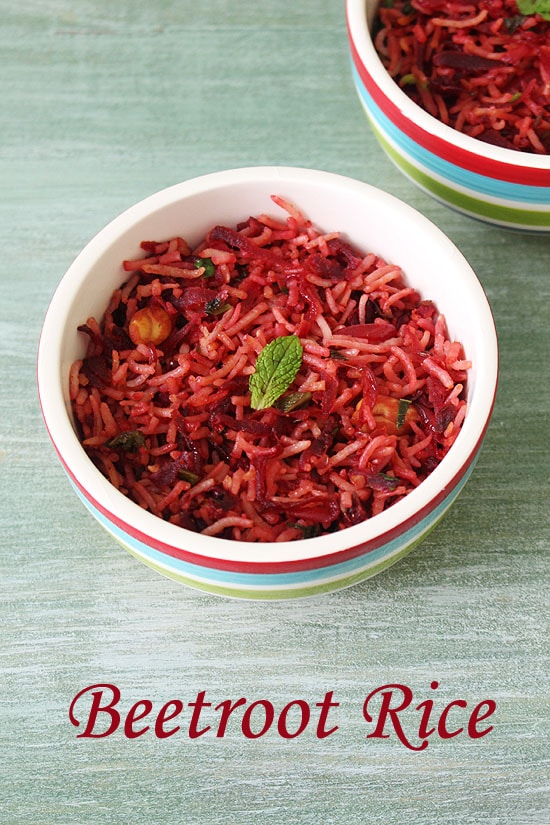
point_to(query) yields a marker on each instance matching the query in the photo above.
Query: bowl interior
(370, 219)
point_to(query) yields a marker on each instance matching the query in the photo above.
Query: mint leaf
(541, 7)
(276, 369)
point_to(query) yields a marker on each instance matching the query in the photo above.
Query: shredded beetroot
(162, 402)
(482, 68)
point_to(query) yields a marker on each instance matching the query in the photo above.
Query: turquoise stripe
(462, 177)
(270, 580)
(512, 217)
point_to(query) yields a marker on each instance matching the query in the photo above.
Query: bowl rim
(360, 37)
(134, 520)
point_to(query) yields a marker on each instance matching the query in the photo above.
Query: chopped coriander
(207, 264)
(411, 80)
(391, 479)
(308, 531)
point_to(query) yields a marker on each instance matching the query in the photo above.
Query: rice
(163, 405)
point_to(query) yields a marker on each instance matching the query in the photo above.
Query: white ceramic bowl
(373, 221)
(500, 186)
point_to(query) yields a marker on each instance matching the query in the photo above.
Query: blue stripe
(449, 171)
(276, 579)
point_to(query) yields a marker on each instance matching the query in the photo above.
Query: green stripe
(467, 203)
(279, 595)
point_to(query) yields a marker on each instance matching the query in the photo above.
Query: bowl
(500, 186)
(372, 220)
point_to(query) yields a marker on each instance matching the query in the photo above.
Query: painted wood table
(103, 104)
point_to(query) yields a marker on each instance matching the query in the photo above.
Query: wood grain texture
(102, 105)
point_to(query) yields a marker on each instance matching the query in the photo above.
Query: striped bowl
(373, 221)
(500, 186)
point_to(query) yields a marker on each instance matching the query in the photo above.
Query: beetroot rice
(162, 402)
(481, 68)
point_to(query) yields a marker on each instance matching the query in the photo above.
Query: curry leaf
(292, 401)
(129, 441)
(187, 475)
(276, 369)
(402, 408)
(216, 307)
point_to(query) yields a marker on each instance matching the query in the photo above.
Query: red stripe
(280, 567)
(512, 173)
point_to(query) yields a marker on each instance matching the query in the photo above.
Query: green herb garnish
(541, 7)
(402, 408)
(292, 401)
(276, 369)
(216, 307)
(391, 479)
(336, 355)
(187, 475)
(513, 23)
(412, 80)
(308, 531)
(208, 264)
(129, 441)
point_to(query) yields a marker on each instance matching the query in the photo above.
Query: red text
(96, 710)
(389, 707)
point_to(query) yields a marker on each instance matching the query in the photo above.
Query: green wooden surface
(103, 104)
